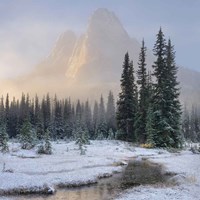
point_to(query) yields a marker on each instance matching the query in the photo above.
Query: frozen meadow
(25, 170)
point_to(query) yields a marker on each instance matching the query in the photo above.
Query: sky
(29, 28)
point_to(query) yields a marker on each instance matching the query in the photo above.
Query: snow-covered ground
(66, 167)
(186, 165)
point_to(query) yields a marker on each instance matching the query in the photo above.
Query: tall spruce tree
(166, 105)
(88, 118)
(95, 119)
(3, 133)
(58, 125)
(110, 113)
(38, 120)
(186, 124)
(127, 102)
(194, 125)
(161, 134)
(149, 126)
(102, 126)
(27, 136)
(141, 117)
(172, 92)
(46, 112)
(67, 115)
(4, 148)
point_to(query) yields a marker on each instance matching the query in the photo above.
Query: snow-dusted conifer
(81, 139)
(111, 135)
(47, 145)
(27, 136)
(3, 139)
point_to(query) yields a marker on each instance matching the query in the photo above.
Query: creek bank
(136, 173)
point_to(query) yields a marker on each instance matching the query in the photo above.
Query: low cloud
(24, 44)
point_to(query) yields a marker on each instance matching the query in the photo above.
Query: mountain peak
(64, 45)
(103, 15)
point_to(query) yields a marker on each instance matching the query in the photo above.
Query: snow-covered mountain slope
(99, 54)
(57, 61)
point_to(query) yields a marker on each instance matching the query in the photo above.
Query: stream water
(136, 173)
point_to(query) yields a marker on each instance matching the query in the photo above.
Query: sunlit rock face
(91, 64)
(98, 55)
(57, 61)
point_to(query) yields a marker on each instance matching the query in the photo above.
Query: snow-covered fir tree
(141, 116)
(111, 135)
(3, 130)
(4, 148)
(127, 102)
(81, 139)
(47, 145)
(110, 112)
(102, 125)
(166, 105)
(27, 135)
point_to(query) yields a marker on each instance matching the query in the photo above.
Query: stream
(137, 172)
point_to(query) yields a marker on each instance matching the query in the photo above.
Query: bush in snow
(7, 170)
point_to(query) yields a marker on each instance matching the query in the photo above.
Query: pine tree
(149, 128)
(166, 105)
(27, 136)
(7, 108)
(193, 125)
(81, 139)
(95, 119)
(13, 118)
(127, 103)
(102, 126)
(46, 112)
(58, 126)
(161, 126)
(141, 117)
(3, 133)
(186, 124)
(87, 115)
(110, 112)
(2, 111)
(47, 145)
(78, 112)
(3, 138)
(111, 135)
(38, 120)
(172, 93)
(67, 117)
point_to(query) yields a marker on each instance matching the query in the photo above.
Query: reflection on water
(136, 173)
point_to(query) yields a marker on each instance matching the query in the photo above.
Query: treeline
(60, 117)
(191, 124)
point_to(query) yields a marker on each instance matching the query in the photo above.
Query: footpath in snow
(27, 171)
